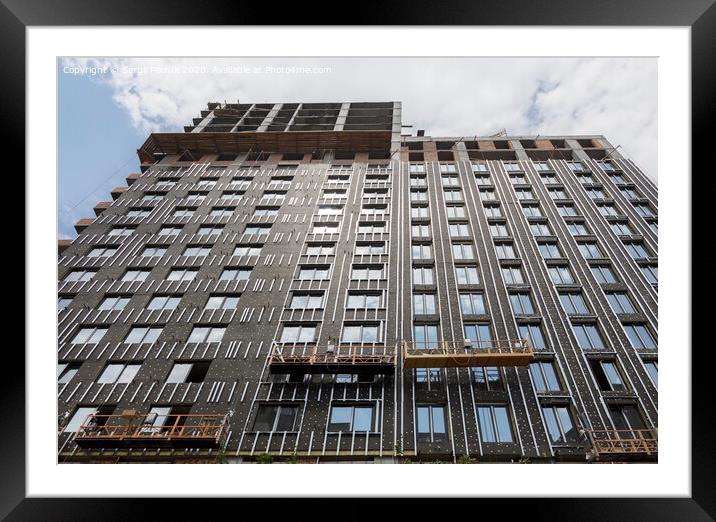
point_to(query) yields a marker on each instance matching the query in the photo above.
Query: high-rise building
(310, 282)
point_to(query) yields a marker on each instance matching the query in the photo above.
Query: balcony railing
(623, 445)
(449, 354)
(153, 430)
(347, 358)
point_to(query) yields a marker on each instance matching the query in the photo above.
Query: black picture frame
(700, 15)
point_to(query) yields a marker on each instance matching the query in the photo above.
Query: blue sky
(108, 106)
(97, 148)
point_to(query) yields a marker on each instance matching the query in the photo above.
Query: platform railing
(151, 426)
(314, 354)
(623, 443)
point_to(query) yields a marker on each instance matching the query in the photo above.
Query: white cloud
(616, 97)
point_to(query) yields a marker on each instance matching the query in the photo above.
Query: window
(567, 210)
(298, 334)
(221, 211)
(138, 212)
(425, 336)
(479, 334)
(361, 333)
(463, 251)
(259, 229)
(363, 301)
(450, 181)
(559, 424)
(235, 274)
(143, 335)
(588, 337)
(370, 272)
(557, 193)
(183, 212)
(640, 337)
(455, 211)
(513, 275)
(205, 184)
(79, 418)
(479, 167)
(549, 178)
(187, 372)
(483, 179)
(170, 231)
(505, 251)
(532, 210)
(114, 302)
(133, 275)
(121, 231)
(80, 276)
(222, 302)
(423, 276)
(351, 418)
(577, 229)
(560, 275)
(418, 195)
(275, 417)
(89, 335)
(608, 210)
(424, 304)
(652, 368)
(607, 375)
(644, 210)
(533, 334)
(196, 250)
(273, 211)
(493, 211)
(630, 193)
(576, 166)
(420, 252)
(595, 193)
(377, 227)
(118, 373)
(182, 274)
(487, 195)
(651, 273)
(521, 304)
(448, 168)
(365, 249)
(590, 250)
(419, 212)
(603, 274)
(461, 230)
(498, 230)
(154, 251)
(65, 372)
(467, 275)
(540, 229)
(207, 334)
(164, 302)
(549, 250)
(487, 378)
(151, 198)
(320, 249)
(456, 195)
(63, 302)
(103, 251)
(494, 423)
(247, 250)
(573, 303)
(420, 230)
(522, 193)
(544, 376)
(430, 422)
(626, 417)
(620, 303)
(306, 301)
(428, 378)
(329, 228)
(513, 167)
(637, 250)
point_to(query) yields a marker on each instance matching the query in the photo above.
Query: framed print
(435, 248)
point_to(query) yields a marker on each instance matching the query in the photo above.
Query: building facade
(312, 283)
